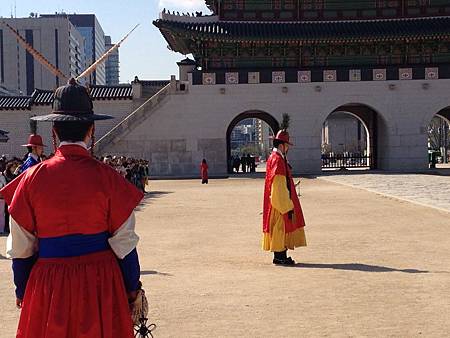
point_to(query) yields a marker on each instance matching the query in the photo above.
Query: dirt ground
(374, 267)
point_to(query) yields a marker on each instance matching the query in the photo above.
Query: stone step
(135, 118)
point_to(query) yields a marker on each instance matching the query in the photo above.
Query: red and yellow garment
(280, 232)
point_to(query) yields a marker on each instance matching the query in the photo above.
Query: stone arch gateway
(371, 121)
(251, 114)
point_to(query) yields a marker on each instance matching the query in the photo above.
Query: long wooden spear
(38, 56)
(92, 68)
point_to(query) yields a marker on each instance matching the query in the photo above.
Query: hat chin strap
(55, 145)
(93, 139)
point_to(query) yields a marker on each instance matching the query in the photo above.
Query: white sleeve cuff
(20, 243)
(124, 240)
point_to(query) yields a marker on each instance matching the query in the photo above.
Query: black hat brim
(71, 118)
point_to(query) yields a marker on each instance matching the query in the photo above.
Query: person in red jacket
(204, 171)
(72, 240)
(283, 222)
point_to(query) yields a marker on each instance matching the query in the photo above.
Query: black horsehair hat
(72, 103)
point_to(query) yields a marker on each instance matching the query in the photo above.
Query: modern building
(112, 64)
(264, 136)
(55, 38)
(6, 92)
(89, 27)
(244, 134)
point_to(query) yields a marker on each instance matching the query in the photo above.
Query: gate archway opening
(249, 141)
(439, 140)
(349, 138)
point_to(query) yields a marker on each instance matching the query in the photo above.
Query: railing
(341, 161)
(136, 117)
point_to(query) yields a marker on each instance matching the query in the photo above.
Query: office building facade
(92, 31)
(112, 64)
(56, 38)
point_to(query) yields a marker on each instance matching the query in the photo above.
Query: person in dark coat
(244, 163)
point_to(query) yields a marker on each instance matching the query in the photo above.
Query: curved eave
(177, 34)
(174, 42)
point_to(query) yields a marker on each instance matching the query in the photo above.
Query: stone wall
(192, 125)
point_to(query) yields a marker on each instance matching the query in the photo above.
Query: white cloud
(180, 5)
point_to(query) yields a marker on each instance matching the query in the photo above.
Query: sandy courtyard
(374, 267)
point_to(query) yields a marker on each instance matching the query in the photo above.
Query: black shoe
(286, 262)
(290, 260)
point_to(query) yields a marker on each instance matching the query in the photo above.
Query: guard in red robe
(35, 150)
(283, 222)
(204, 171)
(72, 241)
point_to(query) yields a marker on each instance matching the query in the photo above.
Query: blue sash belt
(73, 245)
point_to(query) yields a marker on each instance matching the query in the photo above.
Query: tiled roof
(14, 102)
(157, 83)
(42, 97)
(393, 29)
(119, 92)
(45, 97)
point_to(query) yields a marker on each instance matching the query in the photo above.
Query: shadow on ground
(152, 272)
(149, 196)
(357, 267)
(3, 257)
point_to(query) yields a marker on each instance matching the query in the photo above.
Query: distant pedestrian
(244, 163)
(204, 171)
(236, 164)
(249, 163)
(5, 177)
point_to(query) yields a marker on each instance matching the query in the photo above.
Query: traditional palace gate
(387, 63)
(384, 62)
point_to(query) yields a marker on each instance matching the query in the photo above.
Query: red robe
(82, 296)
(204, 171)
(276, 165)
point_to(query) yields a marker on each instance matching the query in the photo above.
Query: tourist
(236, 164)
(2, 206)
(86, 273)
(249, 163)
(244, 163)
(204, 171)
(283, 223)
(142, 174)
(7, 176)
(3, 161)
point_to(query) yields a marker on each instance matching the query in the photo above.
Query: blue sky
(145, 52)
